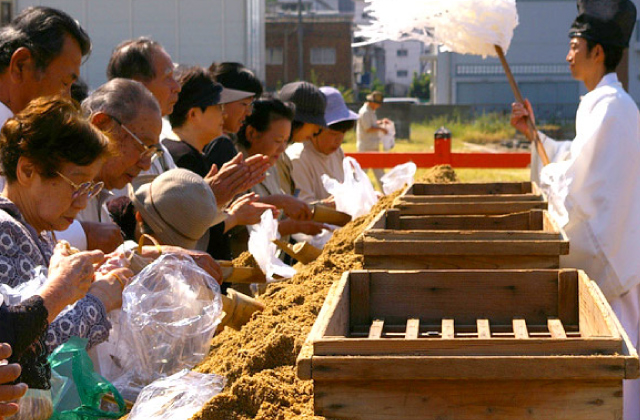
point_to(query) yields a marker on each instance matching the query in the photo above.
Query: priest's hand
(519, 115)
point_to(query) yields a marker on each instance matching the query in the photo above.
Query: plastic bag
(388, 140)
(398, 177)
(177, 397)
(170, 311)
(15, 295)
(263, 249)
(35, 405)
(355, 196)
(319, 240)
(77, 388)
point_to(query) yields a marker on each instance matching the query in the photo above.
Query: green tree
(420, 86)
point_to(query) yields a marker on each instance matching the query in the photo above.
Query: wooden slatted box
(467, 344)
(522, 240)
(487, 198)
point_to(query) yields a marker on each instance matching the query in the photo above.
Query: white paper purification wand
(478, 27)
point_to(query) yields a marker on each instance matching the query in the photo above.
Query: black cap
(608, 22)
(309, 101)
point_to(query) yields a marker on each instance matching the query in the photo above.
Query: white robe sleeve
(557, 151)
(595, 194)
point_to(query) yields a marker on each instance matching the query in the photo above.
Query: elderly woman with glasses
(50, 155)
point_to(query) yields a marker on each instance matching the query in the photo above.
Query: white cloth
(595, 191)
(308, 167)
(593, 188)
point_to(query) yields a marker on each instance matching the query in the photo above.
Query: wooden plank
(469, 400)
(448, 329)
(520, 329)
(443, 246)
(629, 352)
(413, 329)
(497, 330)
(473, 188)
(455, 236)
(484, 332)
(556, 329)
(337, 294)
(470, 208)
(380, 222)
(376, 329)
(516, 221)
(594, 319)
(536, 220)
(392, 219)
(568, 296)
(461, 261)
(463, 295)
(359, 299)
(413, 368)
(494, 346)
(431, 199)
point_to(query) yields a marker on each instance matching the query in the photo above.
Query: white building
(402, 60)
(194, 32)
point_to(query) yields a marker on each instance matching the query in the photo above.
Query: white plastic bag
(355, 196)
(176, 397)
(388, 140)
(263, 249)
(170, 311)
(15, 295)
(398, 177)
(319, 240)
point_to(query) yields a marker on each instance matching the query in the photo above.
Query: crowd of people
(187, 155)
(193, 156)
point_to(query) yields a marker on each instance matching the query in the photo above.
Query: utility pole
(300, 43)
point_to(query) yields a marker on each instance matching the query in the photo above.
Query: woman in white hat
(322, 154)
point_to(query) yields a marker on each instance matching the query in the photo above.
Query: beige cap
(178, 205)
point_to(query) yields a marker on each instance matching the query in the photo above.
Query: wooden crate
(525, 240)
(467, 344)
(491, 198)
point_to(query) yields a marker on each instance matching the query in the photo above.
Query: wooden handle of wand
(533, 136)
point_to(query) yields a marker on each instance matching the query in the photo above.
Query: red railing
(442, 155)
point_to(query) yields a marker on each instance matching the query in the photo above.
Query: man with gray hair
(130, 115)
(41, 51)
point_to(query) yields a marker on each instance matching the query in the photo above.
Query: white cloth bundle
(461, 26)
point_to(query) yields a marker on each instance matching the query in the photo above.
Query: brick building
(327, 58)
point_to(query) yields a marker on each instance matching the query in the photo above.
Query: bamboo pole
(533, 137)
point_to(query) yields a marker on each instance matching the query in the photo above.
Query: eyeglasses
(151, 152)
(90, 188)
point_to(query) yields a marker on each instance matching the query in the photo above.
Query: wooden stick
(534, 138)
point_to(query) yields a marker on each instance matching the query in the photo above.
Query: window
(274, 56)
(402, 53)
(402, 73)
(326, 56)
(6, 12)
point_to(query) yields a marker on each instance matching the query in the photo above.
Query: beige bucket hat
(178, 205)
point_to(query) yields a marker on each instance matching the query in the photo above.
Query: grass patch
(489, 128)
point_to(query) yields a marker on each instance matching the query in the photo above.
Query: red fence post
(442, 146)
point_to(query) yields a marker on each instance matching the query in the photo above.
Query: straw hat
(178, 205)
(375, 97)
